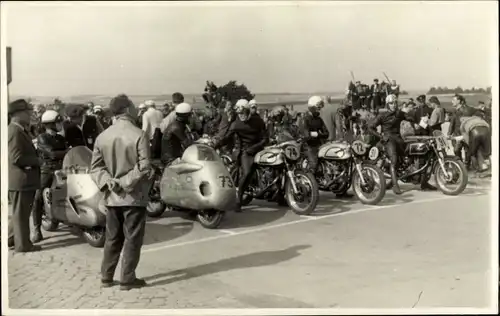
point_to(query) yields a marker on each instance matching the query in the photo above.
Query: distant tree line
(231, 91)
(446, 90)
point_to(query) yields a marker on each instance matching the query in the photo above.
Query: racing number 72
(226, 181)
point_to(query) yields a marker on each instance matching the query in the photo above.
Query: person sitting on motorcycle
(277, 125)
(51, 148)
(313, 131)
(250, 131)
(390, 121)
(176, 137)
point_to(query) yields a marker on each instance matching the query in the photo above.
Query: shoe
(37, 236)
(33, 248)
(107, 283)
(395, 185)
(427, 187)
(238, 208)
(136, 284)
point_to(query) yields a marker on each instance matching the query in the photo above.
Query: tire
(210, 219)
(357, 186)
(439, 176)
(95, 236)
(155, 209)
(247, 198)
(48, 224)
(291, 199)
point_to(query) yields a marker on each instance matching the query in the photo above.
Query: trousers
(247, 170)
(479, 142)
(19, 224)
(125, 227)
(312, 158)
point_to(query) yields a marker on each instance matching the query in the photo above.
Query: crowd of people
(125, 143)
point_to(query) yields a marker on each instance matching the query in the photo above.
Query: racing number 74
(226, 181)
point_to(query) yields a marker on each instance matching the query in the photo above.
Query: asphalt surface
(420, 249)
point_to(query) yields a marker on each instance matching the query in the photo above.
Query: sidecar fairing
(75, 198)
(198, 181)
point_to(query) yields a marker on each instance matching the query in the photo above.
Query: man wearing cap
(437, 116)
(421, 115)
(121, 168)
(151, 119)
(375, 92)
(81, 129)
(394, 89)
(98, 112)
(142, 109)
(24, 176)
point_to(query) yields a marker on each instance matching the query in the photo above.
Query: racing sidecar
(75, 200)
(199, 182)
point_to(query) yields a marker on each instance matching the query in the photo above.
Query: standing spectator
(81, 129)
(394, 89)
(24, 176)
(437, 116)
(421, 115)
(36, 127)
(151, 119)
(121, 167)
(375, 93)
(177, 98)
(329, 115)
(356, 92)
(142, 109)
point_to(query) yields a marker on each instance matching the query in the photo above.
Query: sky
(159, 48)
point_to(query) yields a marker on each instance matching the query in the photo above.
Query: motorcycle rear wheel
(95, 236)
(210, 219)
(312, 185)
(442, 182)
(359, 191)
(48, 224)
(155, 208)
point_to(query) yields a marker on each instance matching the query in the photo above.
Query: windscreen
(206, 153)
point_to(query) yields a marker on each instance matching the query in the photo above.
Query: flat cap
(435, 100)
(119, 104)
(19, 105)
(421, 98)
(74, 110)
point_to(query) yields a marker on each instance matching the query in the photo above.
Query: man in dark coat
(421, 115)
(376, 94)
(81, 129)
(121, 168)
(24, 176)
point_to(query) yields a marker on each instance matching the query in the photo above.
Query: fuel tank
(334, 151)
(417, 148)
(269, 156)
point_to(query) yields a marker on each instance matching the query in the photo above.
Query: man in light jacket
(151, 119)
(122, 169)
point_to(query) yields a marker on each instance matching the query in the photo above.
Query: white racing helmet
(315, 101)
(391, 98)
(98, 108)
(242, 105)
(50, 116)
(252, 103)
(183, 109)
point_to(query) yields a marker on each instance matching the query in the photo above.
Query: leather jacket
(252, 135)
(51, 148)
(390, 123)
(122, 153)
(175, 140)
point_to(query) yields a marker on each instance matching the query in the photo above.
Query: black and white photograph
(249, 157)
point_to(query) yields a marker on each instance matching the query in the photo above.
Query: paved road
(422, 249)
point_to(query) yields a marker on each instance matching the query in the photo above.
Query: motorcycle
(75, 200)
(343, 164)
(198, 183)
(424, 156)
(278, 178)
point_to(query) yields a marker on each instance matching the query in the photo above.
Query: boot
(395, 185)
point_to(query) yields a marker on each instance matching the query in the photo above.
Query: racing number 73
(226, 181)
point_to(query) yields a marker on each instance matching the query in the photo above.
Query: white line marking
(302, 220)
(226, 231)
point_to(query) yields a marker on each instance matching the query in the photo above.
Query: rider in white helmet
(177, 135)
(252, 134)
(314, 131)
(253, 106)
(51, 149)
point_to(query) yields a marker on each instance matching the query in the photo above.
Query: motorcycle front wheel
(373, 191)
(456, 176)
(95, 236)
(210, 219)
(48, 224)
(307, 188)
(155, 208)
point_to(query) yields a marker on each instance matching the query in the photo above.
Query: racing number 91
(226, 182)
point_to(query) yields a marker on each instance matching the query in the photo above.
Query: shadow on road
(257, 259)
(62, 243)
(393, 199)
(156, 233)
(252, 216)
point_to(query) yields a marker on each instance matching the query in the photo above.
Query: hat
(119, 104)
(19, 105)
(421, 98)
(376, 80)
(74, 110)
(435, 100)
(149, 103)
(98, 108)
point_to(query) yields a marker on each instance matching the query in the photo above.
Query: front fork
(291, 176)
(359, 170)
(440, 156)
